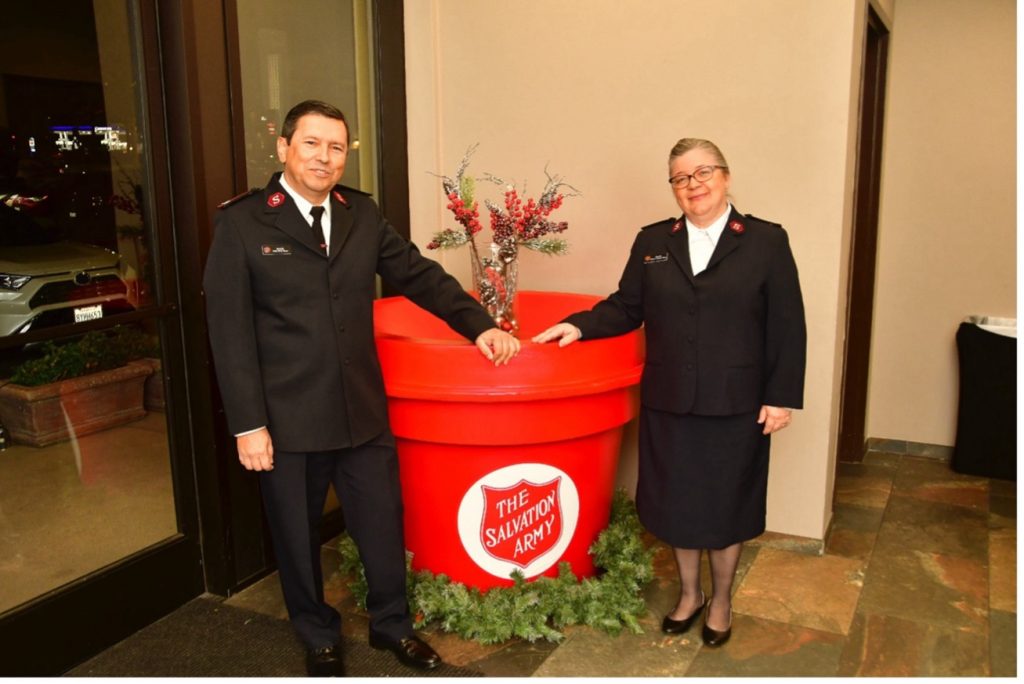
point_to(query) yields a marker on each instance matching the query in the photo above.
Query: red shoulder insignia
(338, 196)
(736, 227)
(275, 200)
(227, 203)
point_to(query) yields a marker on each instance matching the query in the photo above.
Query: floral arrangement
(517, 224)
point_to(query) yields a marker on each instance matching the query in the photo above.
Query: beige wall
(600, 90)
(947, 224)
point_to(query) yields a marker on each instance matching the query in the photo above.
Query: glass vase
(496, 280)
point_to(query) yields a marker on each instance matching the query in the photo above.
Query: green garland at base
(537, 609)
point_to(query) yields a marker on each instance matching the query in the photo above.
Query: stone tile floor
(916, 578)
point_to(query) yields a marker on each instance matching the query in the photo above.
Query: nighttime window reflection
(73, 239)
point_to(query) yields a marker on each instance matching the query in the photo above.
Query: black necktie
(318, 227)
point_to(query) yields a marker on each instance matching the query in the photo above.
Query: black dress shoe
(411, 650)
(325, 662)
(712, 637)
(670, 626)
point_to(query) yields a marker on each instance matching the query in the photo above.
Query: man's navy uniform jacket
(292, 327)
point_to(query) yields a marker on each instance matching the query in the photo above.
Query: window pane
(283, 63)
(85, 468)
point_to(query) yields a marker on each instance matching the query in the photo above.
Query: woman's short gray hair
(687, 144)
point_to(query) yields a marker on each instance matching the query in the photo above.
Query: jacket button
(689, 338)
(689, 366)
(348, 361)
(334, 295)
(341, 328)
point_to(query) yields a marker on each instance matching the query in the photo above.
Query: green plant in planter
(137, 344)
(93, 352)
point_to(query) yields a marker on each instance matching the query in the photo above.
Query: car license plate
(88, 313)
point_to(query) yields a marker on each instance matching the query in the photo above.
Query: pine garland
(539, 608)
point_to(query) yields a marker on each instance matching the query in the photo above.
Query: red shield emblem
(276, 199)
(338, 196)
(522, 522)
(736, 226)
(677, 226)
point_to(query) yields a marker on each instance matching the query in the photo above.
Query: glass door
(89, 481)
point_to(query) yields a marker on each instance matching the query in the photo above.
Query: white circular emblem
(521, 517)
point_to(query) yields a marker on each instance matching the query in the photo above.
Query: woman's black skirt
(703, 480)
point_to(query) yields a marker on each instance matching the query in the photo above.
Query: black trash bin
(986, 429)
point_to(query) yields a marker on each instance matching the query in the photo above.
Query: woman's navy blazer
(723, 342)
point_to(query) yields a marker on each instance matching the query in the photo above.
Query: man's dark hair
(305, 107)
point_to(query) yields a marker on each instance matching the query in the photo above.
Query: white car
(42, 285)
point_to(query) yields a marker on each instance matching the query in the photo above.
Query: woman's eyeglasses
(701, 174)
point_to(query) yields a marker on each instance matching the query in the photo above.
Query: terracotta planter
(39, 416)
(154, 385)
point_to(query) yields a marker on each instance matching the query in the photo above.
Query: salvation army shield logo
(521, 522)
(520, 517)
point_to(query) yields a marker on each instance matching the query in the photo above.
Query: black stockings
(723, 572)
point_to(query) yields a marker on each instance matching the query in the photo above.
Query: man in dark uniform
(290, 283)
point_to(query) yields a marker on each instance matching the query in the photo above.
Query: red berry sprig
(468, 218)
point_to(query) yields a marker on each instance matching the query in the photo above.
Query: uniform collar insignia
(275, 200)
(677, 226)
(338, 196)
(736, 227)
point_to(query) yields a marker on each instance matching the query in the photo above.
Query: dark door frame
(861, 290)
(194, 53)
(393, 137)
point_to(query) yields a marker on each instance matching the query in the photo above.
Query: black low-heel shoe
(670, 626)
(712, 637)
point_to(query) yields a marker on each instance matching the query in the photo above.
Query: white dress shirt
(704, 240)
(305, 205)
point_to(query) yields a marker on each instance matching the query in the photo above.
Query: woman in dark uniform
(718, 294)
